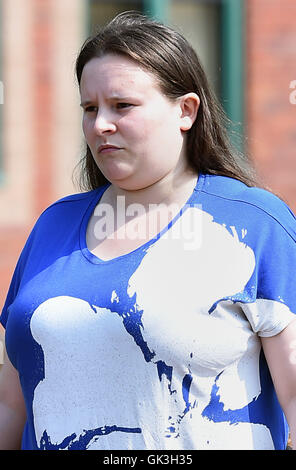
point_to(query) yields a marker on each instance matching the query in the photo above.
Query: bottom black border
(139, 459)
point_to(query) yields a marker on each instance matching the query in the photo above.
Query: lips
(107, 148)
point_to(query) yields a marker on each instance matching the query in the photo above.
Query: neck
(170, 189)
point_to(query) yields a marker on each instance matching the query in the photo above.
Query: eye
(90, 109)
(122, 105)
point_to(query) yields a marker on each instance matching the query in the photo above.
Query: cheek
(139, 123)
(133, 128)
(86, 128)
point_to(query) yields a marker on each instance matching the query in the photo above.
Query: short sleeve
(16, 279)
(275, 275)
(12, 292)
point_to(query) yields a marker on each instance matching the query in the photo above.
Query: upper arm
(12, 407)
(280, 354)
(10, 389)
(1, 345)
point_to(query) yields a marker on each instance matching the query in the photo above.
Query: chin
(127, 185)
(126, 178)
(136, 185)
(116, 174)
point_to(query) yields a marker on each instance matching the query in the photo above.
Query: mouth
(107, 148)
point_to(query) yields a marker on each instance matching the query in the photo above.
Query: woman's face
(135, 133)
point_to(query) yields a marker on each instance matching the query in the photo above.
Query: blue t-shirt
(158, 348)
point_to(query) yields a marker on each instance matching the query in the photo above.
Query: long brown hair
(174, 63)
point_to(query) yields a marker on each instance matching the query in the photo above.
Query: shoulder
(254, 204)
(72, 201)
(71, 205)
(64, 215)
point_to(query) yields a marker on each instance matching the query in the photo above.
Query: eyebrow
(85, 103)
(113, 98)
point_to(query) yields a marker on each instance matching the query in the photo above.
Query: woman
(151, 311)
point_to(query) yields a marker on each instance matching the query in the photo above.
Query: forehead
(115, 73)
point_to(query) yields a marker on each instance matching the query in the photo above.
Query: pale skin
(147, 164)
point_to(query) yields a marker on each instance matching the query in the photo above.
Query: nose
(104, 124)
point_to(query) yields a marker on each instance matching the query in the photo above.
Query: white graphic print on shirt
(152, 389)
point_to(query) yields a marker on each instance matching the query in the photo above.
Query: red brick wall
(42, 44)
(271, 117)
(12, 238)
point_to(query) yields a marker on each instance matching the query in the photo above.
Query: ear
(189, 105)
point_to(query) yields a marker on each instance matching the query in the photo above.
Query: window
(199, 22)
(100, 11)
